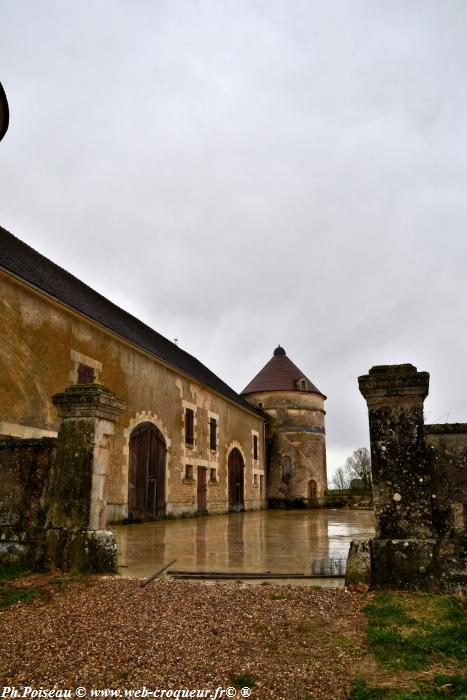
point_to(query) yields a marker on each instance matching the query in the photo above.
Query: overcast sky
(245, 173)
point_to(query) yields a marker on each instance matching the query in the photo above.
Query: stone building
(296, 464)
(185, 442)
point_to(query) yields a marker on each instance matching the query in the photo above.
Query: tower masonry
(295, 437)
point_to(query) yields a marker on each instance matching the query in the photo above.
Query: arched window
(286, 468)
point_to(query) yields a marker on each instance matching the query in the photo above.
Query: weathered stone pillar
(77, 490)
(401, 481)
(410, 549)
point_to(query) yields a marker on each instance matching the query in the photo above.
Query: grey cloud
(249, 173)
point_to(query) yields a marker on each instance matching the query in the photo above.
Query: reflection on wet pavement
(279, 541)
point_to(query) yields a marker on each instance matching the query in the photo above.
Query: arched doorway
(146, 476)
(312, 492)
(236, 481)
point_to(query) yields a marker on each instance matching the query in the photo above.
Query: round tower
(296, 443)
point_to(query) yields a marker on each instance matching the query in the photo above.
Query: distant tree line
(357, 466)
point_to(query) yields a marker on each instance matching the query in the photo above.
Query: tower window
(303, 385)
(286, 468)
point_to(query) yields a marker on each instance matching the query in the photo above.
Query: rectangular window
(255, 447)
(212, 474)
(286, 468)
(212, 434)
(189, 472)
(189, 426)
(255, 479)
(85, 374)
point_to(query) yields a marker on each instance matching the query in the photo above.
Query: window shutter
(255, 447)
(213, 434)
(85, 374)
(189, 416)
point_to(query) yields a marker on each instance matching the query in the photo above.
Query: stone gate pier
(53, 491)
(419, 478)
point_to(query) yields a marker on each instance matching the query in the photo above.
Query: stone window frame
(255, 460)
(257, 468)
(76, 359)
(189, 474)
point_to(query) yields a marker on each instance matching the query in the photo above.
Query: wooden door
(146, 477)
(236, 481)
(202, 491)
(312, 492)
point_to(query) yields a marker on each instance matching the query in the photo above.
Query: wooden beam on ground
(156, 573)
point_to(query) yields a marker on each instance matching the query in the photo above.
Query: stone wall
(24, 469)
(447, 454)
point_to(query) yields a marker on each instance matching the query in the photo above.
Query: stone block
(78, 550)
(435, 565)
(358, 563)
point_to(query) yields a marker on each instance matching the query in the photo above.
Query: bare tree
(359, 465)
(339, 479)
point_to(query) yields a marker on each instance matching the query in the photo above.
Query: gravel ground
(291, 642)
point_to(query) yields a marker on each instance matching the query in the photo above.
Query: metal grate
(329, 566)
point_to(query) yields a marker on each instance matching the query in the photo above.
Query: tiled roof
(280, 374)
(36, 269)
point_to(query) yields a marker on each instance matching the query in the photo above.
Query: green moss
(71, 475)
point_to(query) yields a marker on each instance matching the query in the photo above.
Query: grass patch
(414, 631)
(454, 687)
(10, 596)
(242, 680)
(11, 571)
(417, 634)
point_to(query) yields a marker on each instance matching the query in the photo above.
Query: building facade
(185, 443)
(296, 442)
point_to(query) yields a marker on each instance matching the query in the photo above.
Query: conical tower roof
(280, 374)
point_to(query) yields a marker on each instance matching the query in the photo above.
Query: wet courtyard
(276, 541)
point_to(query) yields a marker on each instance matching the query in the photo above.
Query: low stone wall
(349, 499)
(24, 470)
(447, 454)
